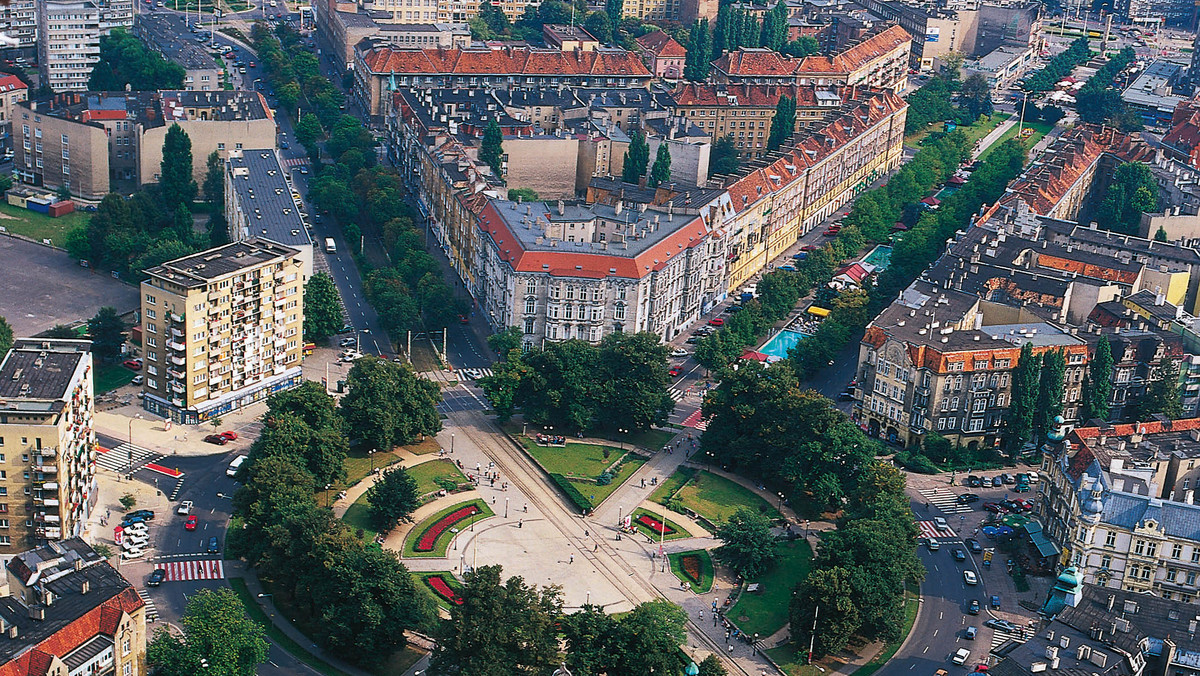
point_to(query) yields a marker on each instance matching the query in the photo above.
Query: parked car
(716, 321)
(973, 608)
(133, 553)
(185, 508)
(138, 379)
(230, 435)
(1002, 625)
(997, 482)
(970, 578)
(145, 514)
(135, 364)
(961, 656)
(673, 371)
(974, 481)
(809, 247)
(679, 352)
(213, 545)
(347, 342)
(134, 525)
(845, 396)
(1008, 478)
(190, 524)
(959, 555)
(216, 439)
(995, 508)
(1021, 488)
(995, 601)
(692, 340)
(967, 498)
(974, 545)
(156, 578)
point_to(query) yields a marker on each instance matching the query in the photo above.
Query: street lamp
(137, 417)
(622, 431)
(452, 443)
(780, 501)
(371, 454)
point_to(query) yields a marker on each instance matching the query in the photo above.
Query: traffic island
(695, 568)
(432, 536)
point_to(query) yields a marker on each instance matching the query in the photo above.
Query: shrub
(604, 479)
(578, 499)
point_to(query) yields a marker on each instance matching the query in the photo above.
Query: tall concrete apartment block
(222, 329)
(68, 43)
(115, 14)
(18, 20)
(47, 444)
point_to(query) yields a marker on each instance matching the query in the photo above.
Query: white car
(347, 342)
(969, 577)
(961, 656)
(138, 380)
(135, 528)
(133, 554)
(184, 508)
(679, 352)
(941, 523)
(134, 540)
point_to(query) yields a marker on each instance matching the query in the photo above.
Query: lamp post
(451, 442)
(137, 417)
(780, 501)
(621, 439)
(506, 508)
(371, 454)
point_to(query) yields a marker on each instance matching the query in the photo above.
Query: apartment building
(47, 443)
(68, 43)
(380, 70)
(115, 14)
(746, 111)
(222, 329)
(663, 55)
(90, 142)
(65, 610)
(259, 203)
(12, 92)
(879, 60)
(18, 20)
(653, 11)
(160, 32)
(440, 11)
(341, 26)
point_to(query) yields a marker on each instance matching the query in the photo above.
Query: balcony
(49, 533)
(178, 361)
(50, 486)
(175, 317)
(46, 469)
(176, 374)
(178, 387)
(46, 451)
(180, 347)
(45, 502)
(178, 403)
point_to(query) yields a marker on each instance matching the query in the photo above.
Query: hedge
(578, 499)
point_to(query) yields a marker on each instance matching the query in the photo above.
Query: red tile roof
(759, 62)
(743, 95)
(10, 82)
(102, 619)
(503, 61)
(661, 44)
(1184, 136)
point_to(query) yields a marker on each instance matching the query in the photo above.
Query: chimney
(85, 587)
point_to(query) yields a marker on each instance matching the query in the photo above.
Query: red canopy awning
(754, 355)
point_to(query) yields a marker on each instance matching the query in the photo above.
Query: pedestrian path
(930, 530)
(696, 421)
(125, 459)
(151, 609)
(202, 569)
(946, 501)
(296, 162)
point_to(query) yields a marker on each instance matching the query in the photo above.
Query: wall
(205, 136)
(689, 161)
(545, 164)
(88, 146)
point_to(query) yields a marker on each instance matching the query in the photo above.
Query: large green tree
(632, 381)
(1132, 192)
(126, 62)
(661, 171)
(699, 52)
(637, 158)
(748, 546)
(491, 148)
(392, 498)
(388, 404)
(1097, 389)
(775, 27)
(783, 125)
(1050, 394)
(6, 337)
(724, 156)
(976, 96)
(175, 171)
(1025, 377)
(218, 638)
(1162, 392)
(826, 597)
(322, 309)
(107, 333)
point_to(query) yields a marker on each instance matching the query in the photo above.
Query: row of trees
(1059, 66)
(294, 74)
(1132, 192)
(126, 62)
(1099, 102)
(735, 28)
(574, 385)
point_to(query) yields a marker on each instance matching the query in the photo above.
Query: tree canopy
(637, 158)
(1132, 192)
(218, 638)
(322, 308)
(107, 333)
(125, 61)
(388, 404)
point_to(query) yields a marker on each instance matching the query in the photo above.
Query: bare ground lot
(41, 287)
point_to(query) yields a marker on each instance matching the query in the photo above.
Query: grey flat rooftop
(532, 238)
(169, 35)
(1040, 334)
(200, 268)
(263, 192)
(30, 373)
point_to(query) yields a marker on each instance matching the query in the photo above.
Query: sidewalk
(993, 136)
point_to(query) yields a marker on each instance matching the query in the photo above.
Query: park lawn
(984, 127)
(358, 465)
(651, 440)
(680, 531)
(706, 569)
(716, 498)
(427, 474)
(597, 493)
(358, 516)
(39, 226)
(443, 541)
(428, 445)
(276, 635)
(766, 611)
(1040, 129)
(573, 460)
(912, 603)
(793, 660)
(111, 376)
(673, 483)
(451, 582)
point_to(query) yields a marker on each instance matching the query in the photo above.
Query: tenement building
(259, 203)
(47, 442)
(222, 329)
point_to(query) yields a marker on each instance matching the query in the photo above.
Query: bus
(330, 246)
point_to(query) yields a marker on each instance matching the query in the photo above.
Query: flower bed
(442, 588)
(655, 525)
(690, 565)
(694, 567)
(428, 539)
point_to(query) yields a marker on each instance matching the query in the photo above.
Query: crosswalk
(945, 501)
(175, 491)
(676, 393)
(295, 161)
(475, 374)
(930, 531)
(999, 637)
(125, 458)
(196, 569)
(151, 609)
(696, 421)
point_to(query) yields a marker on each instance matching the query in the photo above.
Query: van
(235, 465)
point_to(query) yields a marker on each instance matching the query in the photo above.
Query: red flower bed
(442, 589)
(429, 538)
(691, 567)
(655, 525)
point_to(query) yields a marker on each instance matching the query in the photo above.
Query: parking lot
(42, 287)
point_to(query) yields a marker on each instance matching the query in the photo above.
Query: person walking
(571, 559)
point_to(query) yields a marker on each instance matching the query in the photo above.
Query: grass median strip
(276, 634)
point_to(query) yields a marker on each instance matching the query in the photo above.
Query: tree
(1050, 394)
(57, 331)
(499, 629)
(107, 333)
(661, 171)
(805, 45)
(648, 638)
(525, 194)
(218, 228)
(711, 666)
(599, 25)
(1019, 423)
(615, 9)
(392, 498)
(976, 95)
(308, 129)
(1097, 389)
(775, 27)
(631, 381)
(491, 149)
(125, 61)
(783, 125)
(388, 404)
(699, 52)
(175, 170)
(322, 310)
(1162, 392)
(504, 342)
(6, 337)
(724, 156)
(637, 158)
(214, 181)
(218, 638)
(827, 596)
(1133, 191)
(748, 545)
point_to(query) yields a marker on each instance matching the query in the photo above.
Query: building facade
(47, 442)
(341, 26)
(12, 92)
(68, 43)
(222, 329)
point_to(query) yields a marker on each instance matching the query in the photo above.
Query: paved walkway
(994, 136)
(353, 493)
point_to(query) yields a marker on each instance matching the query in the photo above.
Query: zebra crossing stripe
(199, 569)
(999, 637)
(151, 609)
(120, 459)
(930, 530)
(947, 502)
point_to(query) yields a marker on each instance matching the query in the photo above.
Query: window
(619, 313)
(528, 325)
(978, 405)
(125, 647)
(1151, 549)
(1171, 574)
(1176, 551)
(1139, 547)
(530, 306)
(1106, 561)
(1195, 554)
(531, 287)
(976, 424)
(1191, 579)
(1110, 539)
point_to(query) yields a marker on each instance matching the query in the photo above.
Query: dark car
(845, 396)
(156, 578)
(132, 521)
(959, 555)
(1002, 625)
(692, 340)
(995, 508)
(995, 601)
(213, 545)
(974, 481)
(146, 514)
(973, 608)
(967, 498)
(974, 545)
(216, 439)
(809, 247)
(997, 481)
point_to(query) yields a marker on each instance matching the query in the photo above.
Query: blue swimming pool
(780, 343)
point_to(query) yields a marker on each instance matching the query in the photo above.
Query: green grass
(276, 634)
(680, 531)
(429, 445)
(39, 226)
(597, 493)
(427, 474)
(766, 611)
(358, 465)
(706, 569)
(716, 498)
(451, 581)
(111, 376)
(359, 516)
(1039, 128)
(443, 541)
(794, 660)
(974, 132)
(573, 460)
(651, 440)
(911, 605)
(673, 483)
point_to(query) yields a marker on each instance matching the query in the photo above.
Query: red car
(229, 435)
(216, 439)
(462, 319)
(716, 321)
(135, 364)
(190, 524)
(809, 247)
(673, 371)
(995, 508)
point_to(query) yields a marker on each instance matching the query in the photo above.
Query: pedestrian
(525, 508)
(585, 533)
(571, 559)
(520, 523)
(702, 614)
(596, 548)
